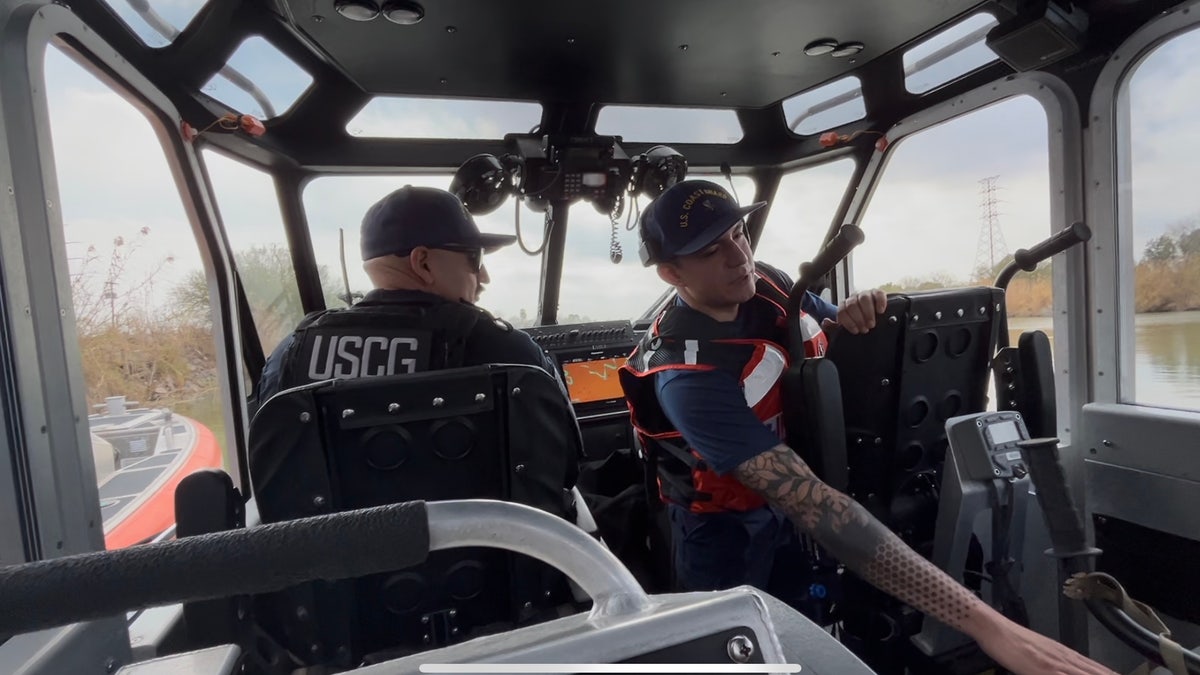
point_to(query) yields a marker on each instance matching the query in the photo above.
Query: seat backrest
(925, 362)
(1025, 383)
(498, 432)
(894, 387)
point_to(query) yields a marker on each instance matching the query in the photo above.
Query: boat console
(588, 356)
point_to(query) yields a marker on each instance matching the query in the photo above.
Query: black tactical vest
(381, 338)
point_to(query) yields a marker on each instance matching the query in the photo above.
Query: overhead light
(357, 10)
(403, 12)
(847, 49)
(819, 47)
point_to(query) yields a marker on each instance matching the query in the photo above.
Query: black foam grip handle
(1028, 259)
(1066, 527)
(256, 560)
(839, 247)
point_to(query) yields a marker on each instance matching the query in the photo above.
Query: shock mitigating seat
(502, 432)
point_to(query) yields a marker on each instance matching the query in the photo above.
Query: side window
(246, 199)
(1164, 219)
(801, 214)
(955, 201)
(141, 305)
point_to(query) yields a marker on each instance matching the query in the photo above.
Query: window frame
(63, 494)
(1110, 202)
(1065, 147)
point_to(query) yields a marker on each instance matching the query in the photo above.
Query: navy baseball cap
(687, 217)
(421, 216)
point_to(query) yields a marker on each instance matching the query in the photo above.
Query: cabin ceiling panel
(619, 51)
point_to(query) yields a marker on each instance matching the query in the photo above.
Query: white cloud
(246, 202)
(925, 215)
(411, 117)
(667, 125)
(1164, 139)
(592, 285)
(113, 178)
(801, 214)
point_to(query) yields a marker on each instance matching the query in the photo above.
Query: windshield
(596, 289)
(336, 204)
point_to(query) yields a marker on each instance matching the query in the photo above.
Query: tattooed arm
(862, 543)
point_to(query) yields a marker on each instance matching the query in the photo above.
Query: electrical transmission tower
(991, 248)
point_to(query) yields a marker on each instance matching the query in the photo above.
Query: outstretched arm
(848, 531)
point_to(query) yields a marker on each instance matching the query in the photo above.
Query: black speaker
(1038, 36)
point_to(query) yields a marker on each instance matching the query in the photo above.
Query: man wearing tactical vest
(703, 387)
(424, 255)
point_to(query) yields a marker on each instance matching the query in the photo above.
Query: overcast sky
(924, 218)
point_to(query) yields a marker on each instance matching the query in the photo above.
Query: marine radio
(594, 168)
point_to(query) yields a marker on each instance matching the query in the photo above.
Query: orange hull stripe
(158, 512)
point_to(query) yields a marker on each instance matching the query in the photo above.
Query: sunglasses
(474, 256)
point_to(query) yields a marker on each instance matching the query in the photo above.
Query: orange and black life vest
(682, 338)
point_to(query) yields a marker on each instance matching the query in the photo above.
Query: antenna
(991, 248)
(348, 298)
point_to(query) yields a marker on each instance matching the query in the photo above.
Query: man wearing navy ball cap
(424, 255)
(704, 391)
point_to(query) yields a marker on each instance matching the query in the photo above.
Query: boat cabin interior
(183, 181)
